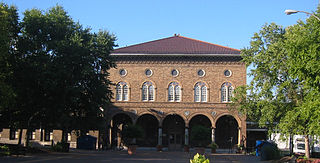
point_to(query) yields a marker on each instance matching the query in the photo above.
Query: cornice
(178, 62)
(178, 59)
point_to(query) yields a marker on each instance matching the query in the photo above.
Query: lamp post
(289, 12)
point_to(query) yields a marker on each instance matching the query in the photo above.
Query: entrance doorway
(173, 132)
(226, 133)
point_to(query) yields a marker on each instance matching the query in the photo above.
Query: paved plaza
(83, 156)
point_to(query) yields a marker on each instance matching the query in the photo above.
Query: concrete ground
(83, 156)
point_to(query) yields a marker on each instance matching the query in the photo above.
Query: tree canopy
(60, 69)
(284, 92)
(9, 30)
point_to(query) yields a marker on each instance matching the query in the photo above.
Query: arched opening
(118, 121)
(173, 132)
(199, 120)
(150, 125)
(226, 132)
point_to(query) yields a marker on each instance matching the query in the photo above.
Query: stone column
(239, 135)
(110, 135)
(213, 134)
(160, 136)
(119, 129)
(186, 136)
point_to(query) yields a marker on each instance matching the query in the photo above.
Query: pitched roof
(176, 45)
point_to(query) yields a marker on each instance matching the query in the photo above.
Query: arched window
(200, 92)
(204, 94)
(147, 91)
(125, 93)
(174, 92)
(122, 91)
(177, 93)
(226, 92)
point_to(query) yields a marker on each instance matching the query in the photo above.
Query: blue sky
(225, 22)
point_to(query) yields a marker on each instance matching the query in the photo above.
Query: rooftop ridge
(177, 44)
(206, 42)
(146, 42)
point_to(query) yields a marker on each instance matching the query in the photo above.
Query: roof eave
(142, 54)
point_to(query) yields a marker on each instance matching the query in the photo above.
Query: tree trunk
(20, 136)
(307, 146)
(27, 137)
(63, 137)
(291, 144)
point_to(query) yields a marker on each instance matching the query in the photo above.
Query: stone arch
(226, 131)
(212, 121)
(132, 115)
(173, 126)
(151, 113)
(199, 120)
(173, 113)
(223, 114)
(150, 124)
(118, 121)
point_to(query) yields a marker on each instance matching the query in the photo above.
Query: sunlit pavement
(84, 156)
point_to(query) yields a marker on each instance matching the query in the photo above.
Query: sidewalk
(83, 156)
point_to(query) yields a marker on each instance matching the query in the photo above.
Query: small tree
(130, 133)
(200, 136)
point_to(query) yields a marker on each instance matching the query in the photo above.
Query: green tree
(9, 30)
(63, 67)
(277, 96)
(303, 50)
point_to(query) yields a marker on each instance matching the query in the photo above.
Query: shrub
(61, 147)
(199, 159)
(213, 145)
(4, 150)
(201, 136)
(269, 152)
(130, 133)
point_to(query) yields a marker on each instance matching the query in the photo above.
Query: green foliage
(284, 92)
(213, 145)
(130, 133)
(200, 136)
(4, 150)
(60, 147)
(199, 159)
(270, 152)
(303, 47)
(9, 30)
(53, 70)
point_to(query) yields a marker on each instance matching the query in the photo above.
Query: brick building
(169, 85)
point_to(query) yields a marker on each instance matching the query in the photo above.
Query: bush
(61, 147)
(213, 145)
(200, 136)
(199, 159)
(269, 152)
(130, 133)
(4, 150)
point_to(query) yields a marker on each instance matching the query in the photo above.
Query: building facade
(169, 85)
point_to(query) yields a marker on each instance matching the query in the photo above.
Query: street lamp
(289, 12)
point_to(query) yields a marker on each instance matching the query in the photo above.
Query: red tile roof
(176, 45)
